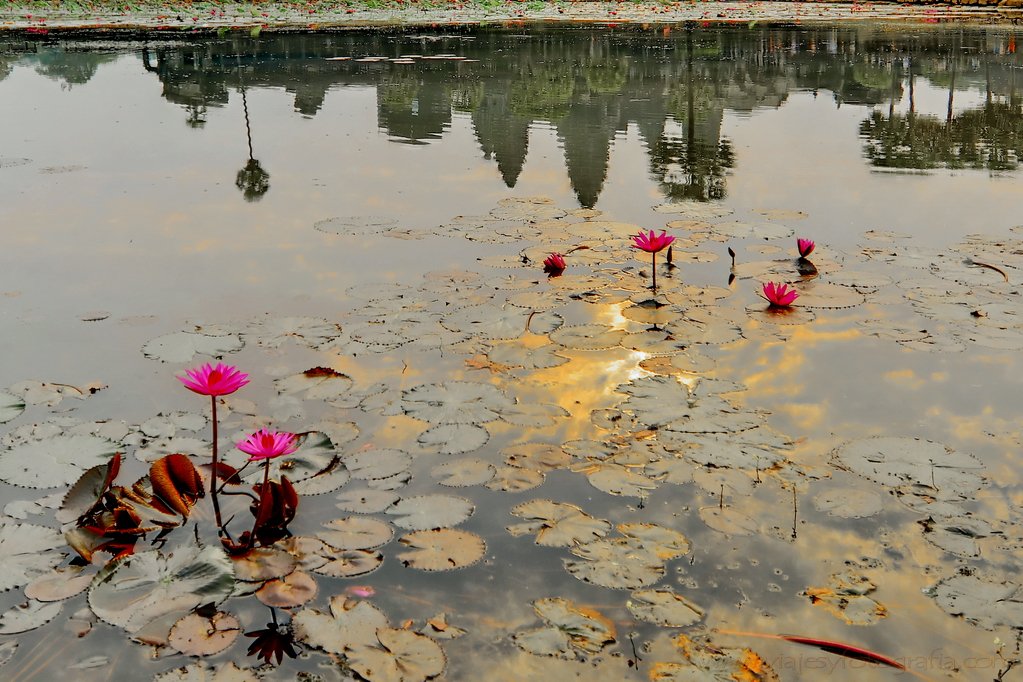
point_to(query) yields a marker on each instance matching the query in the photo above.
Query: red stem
(653, 261)
(213, 477)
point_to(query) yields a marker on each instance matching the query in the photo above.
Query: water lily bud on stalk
(779, 295)
(805, 247)
(554, 264)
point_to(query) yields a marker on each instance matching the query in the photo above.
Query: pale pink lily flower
(265, 444)
(805, 247)
(213, 381)
(779, 295)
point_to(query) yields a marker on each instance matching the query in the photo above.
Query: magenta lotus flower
(779, 295)
(264, 444)
(212, 381)
(554, 264)
(652, 243)
(805, 247)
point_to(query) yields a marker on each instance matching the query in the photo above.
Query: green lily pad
(10, 406)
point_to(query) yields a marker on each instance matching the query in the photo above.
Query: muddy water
(380, 204)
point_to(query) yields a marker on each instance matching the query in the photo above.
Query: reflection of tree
(987, 137)
(412, 110)
(543, 92)
(252, 180)
(693, 165)
(74, 68)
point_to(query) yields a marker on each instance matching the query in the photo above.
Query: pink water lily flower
(264, 444)
(554, 264)
(779, 295)
(805, 247)
(209, 380)
(652, 243)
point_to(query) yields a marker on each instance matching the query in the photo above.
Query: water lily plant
(554, 264)
(214, 381)
(779, 295)
(805, 247)
(652, 243)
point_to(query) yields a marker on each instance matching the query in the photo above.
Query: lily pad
(356, 532)
(516, 479)
(465, 472)
(454, 402)
(588, 337)
(491, 323)
(53, 462)
(895, 462)
(272, 332)
(706, 661)
(349, 624)
(10, 406)
(183, 346)
(318, 383)
(143, 589)
(28, 616)
(377, 463)
(981, 601)
(444, 549)
(365, 501)
(197, 635)
(401, 656)
(291, 591)
(663, 607)
(557, 524)
(427, 512)
(201, 672)
(454, 439)
(571, 632)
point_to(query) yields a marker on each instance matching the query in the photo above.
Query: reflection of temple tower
(586, 133)
(502, 134)
(411, 110)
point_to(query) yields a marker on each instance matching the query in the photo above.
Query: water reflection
(674, 85)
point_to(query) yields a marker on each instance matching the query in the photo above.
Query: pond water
(627, 484)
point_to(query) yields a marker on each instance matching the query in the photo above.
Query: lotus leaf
(444, 549)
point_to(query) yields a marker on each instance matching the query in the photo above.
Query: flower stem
(213, 477)
(653, 269)
(262, 493)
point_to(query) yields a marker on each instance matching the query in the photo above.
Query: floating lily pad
(183, 346)
(146, 589)
(356, 532)
(28, 616)
(617, 563)
(849, 503)
(516, 479)
(196, 635)
(48, 393)
(11, 406)
(318, 383)
(349, 624)
(430, 511)
(695, 210)
(487, 322)
(291, 591)
(897, 462)
(515, 355)
(263, 563)
(355, 226)
(846, 598)
(615, 479)
(538, 456)
(350, 563)
(454, 439)
(55, 461)
(454, 402)
(377, 463)
(557, 524)
(400, 656)
(699, 661)
(441, 550)
(464, 472)
(202, 672)
(588, 337)
(571, 632)
(365, 501)
(59, 584)
(272, 332)
(981, 601)
(663, 607)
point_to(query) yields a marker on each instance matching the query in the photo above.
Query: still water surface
(380, 203)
